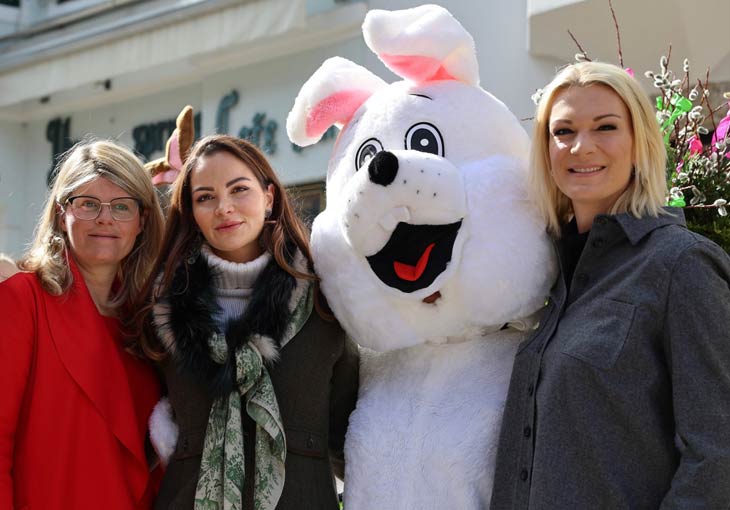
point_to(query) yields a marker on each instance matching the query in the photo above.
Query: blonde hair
(83, 163)
(646, 192)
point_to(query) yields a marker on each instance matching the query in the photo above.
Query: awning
(150, 55)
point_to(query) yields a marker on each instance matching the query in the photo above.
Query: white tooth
(388, 222)
(391, 219)
(402, 213)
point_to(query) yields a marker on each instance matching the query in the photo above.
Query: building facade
(123, 69)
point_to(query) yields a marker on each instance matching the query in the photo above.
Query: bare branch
(705, 98)
(585, 54)
(618, 34)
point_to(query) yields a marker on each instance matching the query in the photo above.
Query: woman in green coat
(260, 384)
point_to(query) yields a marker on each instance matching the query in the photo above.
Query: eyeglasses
(88, 208)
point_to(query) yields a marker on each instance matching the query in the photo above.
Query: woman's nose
(105, 214)
(582, 144)
(224, 205)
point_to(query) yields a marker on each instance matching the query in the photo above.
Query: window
(308, 200)
(65, 7)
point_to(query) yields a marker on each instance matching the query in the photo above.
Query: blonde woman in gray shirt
(621, 398)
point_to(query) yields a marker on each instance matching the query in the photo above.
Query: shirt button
(530, 390)
(536, 326)
(547, 301)
(527, 432)
(310, 442)
(523, 475)
(598, 243)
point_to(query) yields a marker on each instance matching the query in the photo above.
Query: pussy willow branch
(585, 54)
(665, 98)
(706, 99)
(618, 34)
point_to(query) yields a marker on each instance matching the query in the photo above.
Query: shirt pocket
(599, 332)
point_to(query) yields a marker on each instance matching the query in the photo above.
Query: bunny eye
(366, 152)
(425, 137)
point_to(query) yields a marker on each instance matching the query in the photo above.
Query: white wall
(14, 208)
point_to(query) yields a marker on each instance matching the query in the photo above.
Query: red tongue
(413, 273)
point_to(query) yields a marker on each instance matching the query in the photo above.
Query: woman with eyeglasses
(76, 396)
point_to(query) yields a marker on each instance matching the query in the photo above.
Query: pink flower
(630, 71)
(721, 132)
(695, 145)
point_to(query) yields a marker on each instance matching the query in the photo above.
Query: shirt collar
(636, 228)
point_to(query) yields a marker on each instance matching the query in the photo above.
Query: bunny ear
(181, 140)
(173, 151)
(330, 97)
(165, 170)
(422, 44)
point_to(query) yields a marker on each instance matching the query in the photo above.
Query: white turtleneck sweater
(233, 283)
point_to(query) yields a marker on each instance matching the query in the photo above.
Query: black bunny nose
(383, 168)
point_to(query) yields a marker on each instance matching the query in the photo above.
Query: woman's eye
(606, 127)
(239, 189)
(561, 132)
(203, 198)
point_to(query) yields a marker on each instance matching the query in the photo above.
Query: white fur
(163, 430)
(501, 265)
(424, 433)
(334, 75)
(266, 347)
(429, 29)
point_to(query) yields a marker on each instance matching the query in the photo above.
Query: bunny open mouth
(415, 255)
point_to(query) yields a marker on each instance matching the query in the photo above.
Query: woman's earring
(267, 213)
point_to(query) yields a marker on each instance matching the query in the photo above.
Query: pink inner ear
(337, 108)
(174, 159)
(417, 67)
(165, 177)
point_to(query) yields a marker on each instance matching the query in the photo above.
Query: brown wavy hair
(282, 230)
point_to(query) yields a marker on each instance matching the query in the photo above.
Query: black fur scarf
(185, 318)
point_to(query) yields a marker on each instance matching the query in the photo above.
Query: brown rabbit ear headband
(165, 170)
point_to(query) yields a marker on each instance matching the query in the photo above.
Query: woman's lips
(228, 226)
(586, 169)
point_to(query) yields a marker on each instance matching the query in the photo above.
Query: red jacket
(74, 405)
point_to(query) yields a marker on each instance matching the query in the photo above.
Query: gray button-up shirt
(621, 398)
